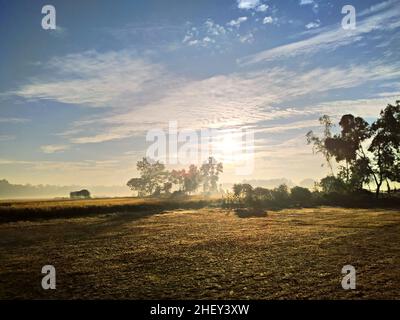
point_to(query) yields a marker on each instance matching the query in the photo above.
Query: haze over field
(15, 191)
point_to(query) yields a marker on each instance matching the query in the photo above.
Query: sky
(77, 102)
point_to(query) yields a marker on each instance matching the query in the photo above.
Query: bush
(280, 195)
(332, 184)
(301, 196)
(262, 195)
(179, 194)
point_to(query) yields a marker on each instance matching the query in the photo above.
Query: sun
(228, 147)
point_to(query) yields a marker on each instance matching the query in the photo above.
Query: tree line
(245, 195)
(155, 180)
(365, 153)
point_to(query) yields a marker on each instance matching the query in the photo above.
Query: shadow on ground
(250, 213)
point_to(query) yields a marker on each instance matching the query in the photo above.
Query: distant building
(82, 194)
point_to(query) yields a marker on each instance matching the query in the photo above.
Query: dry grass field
(16, 210)
(204, 253)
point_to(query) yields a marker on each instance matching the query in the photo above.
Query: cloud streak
(378, 18)
(13, 120)
(139, 95)
(234, 100)
(93, 79)
(54, 148)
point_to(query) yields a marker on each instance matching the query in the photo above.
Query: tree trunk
(378, 188)
(388, 186)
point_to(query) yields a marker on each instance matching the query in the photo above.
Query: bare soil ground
(205, 253)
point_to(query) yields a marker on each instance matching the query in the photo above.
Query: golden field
(205, 253)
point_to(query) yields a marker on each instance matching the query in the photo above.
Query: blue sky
(76, 102)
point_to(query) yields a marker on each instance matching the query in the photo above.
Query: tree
(346, 145)
(167, 187)
(332, 184)
(237, 189)
(262, 194)
(210, 174)
(281, 194)
(379, 162)
(385, 146)
(177, 177)
(319, 142)
(152, 177)
(137, 184)
(360, 174)
(155, 180)
(243, 192)
(300, 195)
(187, 181)
(192, 179)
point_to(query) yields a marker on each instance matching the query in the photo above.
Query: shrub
(301, 196)
(332, 184)
(179, 194)
(280, 195)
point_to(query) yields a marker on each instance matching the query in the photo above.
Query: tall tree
(178, 177)
(347, 145)
(380, 161)
(138, 185)
(152, 177)
(210, 174)
(385, 146)
(192, 179)
(319, 142)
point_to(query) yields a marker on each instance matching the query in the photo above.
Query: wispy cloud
(13, 120)
(219, 101)
(296, 125)
(306, 2)
(313, 25)
(59, 32)
(52, 148)
(367, 108)
(150, 35)
(6, 137)
(262, 8)
(385, 17)
(208, 33)
(268, 20)
(248, 4)
(237, 22)
(92, 79)
(136, 90)
(219, 37)
(314, 4)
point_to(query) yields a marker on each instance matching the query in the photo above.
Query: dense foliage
(155, 180)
